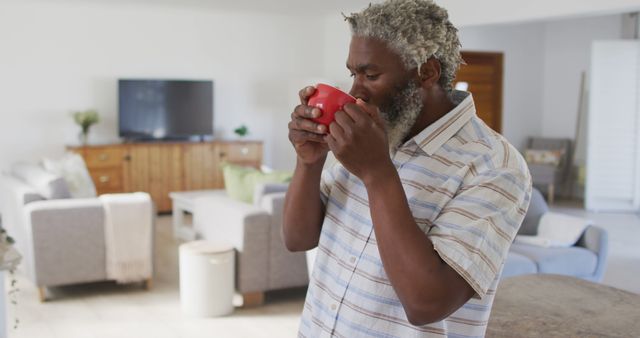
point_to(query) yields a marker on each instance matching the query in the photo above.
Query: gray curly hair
(415, 29)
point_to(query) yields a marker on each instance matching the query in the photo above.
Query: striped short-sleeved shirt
(468, 190)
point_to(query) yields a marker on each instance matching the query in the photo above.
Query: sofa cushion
(544, 156)
(73, 169)
(537, 208)
(572, 261)
(240, 181)
(49, 185)
(517, 264)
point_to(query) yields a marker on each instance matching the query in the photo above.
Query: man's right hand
(306, 135)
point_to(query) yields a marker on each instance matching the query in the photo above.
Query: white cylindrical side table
(207, 275)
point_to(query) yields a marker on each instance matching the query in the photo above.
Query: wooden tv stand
(159, 168)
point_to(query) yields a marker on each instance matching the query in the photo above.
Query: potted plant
(85, 119)
(241, 131)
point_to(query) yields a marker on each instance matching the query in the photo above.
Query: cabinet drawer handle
(103, 179)
(103, 157)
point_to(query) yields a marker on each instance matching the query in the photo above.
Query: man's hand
(303, 211)
(359, 141)
(307, 136)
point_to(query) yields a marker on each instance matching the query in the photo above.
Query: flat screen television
(153, 109)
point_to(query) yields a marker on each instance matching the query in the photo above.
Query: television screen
(164, 109)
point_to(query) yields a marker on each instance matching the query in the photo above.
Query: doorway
(482, 76)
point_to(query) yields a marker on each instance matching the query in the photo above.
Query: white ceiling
(462, 12)
(473, 12)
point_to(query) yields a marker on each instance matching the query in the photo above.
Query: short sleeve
(475, 229)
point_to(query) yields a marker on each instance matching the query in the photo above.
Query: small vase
(83, 137)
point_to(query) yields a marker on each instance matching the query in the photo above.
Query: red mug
(329, 100)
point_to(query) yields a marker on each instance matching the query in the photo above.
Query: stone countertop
(561, 306)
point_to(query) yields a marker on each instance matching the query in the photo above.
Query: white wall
(474, 12)
(522, 46)
(567, 53)
(337, 38)
(56, 58)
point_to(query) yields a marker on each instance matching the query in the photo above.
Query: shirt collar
(434, 136)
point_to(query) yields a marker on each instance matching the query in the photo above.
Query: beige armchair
(263, 263)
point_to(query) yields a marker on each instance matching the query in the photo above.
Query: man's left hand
(358, 140)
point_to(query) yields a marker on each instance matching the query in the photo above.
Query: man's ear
(430, 72)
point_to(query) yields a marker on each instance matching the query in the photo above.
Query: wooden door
(483, 74)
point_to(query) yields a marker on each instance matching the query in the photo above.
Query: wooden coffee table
(183, 201)
(561, 306)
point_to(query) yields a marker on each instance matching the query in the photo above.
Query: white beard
(402, 115)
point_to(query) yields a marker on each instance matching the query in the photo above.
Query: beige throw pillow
(46, 184)
(240, 181)
(549, 157)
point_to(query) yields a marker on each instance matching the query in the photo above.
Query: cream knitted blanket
(128, 236)
(556, 230)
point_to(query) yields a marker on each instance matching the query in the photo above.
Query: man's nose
(357, 90)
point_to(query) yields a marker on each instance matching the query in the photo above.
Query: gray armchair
(549, 176)
(62, 239)
(586, 259)
(263, 263)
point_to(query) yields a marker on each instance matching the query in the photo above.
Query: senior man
(414, 221)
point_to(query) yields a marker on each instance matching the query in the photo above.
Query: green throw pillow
(240, 181)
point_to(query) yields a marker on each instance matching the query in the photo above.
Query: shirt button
(352, 259)
(334, 307)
